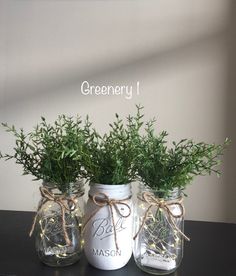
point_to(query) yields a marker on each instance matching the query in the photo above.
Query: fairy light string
(165, 206)
(65, 204)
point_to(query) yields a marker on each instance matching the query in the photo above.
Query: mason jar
(108, 226)
(158, 229)
(58, 224)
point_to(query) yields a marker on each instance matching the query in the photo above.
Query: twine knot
(102, 200)
(164, 205)
(65, 203)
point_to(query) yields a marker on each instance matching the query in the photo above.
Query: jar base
(101, 267)
(107, 264)
(154, 271)
(54, 261)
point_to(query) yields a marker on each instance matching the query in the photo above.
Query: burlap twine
(111, 203)
(64, 203)
(164, 205)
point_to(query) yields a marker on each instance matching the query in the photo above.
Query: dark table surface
(211, 252)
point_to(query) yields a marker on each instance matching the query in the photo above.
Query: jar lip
(76, 187)
(176, 192)
(108, 186)
(119, 191)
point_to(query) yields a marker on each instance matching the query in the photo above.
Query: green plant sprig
(109, 158)
(51, 152)
(163, 169)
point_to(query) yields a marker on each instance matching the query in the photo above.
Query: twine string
(101, 200)
(164, 205)
(64, 204)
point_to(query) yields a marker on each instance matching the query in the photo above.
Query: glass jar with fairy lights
(158, 224)
(53, 153)
(58, 225)
(164, 173)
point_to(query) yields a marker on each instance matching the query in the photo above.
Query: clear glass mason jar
(158, 240)
(58, 225)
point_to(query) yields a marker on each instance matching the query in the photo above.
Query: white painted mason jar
(108, 226)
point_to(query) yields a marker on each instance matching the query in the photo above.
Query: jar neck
(75, 188)
(170, 195)
(120, 191)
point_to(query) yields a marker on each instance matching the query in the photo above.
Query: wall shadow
(134, 66)
(230, 124)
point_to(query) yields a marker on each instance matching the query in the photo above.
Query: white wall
(178, 50)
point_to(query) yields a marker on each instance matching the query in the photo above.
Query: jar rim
(75, 188)
(119, 191)
(108, 185)
(176, 192)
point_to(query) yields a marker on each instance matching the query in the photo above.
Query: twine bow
(64, 204)
(106, 201)
(161, 204)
